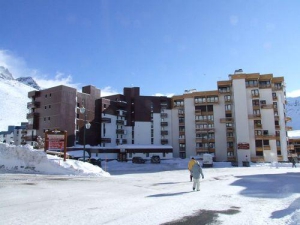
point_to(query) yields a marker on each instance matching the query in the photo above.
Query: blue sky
(161, 46)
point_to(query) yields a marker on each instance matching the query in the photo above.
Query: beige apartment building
(243, 120)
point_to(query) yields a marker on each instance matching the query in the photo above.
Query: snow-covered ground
(36, 188)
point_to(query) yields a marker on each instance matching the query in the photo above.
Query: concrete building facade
(242, 120)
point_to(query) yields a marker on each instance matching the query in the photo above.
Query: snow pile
(27, 159)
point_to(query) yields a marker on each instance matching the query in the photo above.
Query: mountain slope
(293, 111)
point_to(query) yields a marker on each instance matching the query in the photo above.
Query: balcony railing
(267, 106)
(105, 120)
(105, 140)
(254, 116)
(120, 122)
(163, 115)
(31, 105)
(226, 120)
(120, 131)
(164, 141)
(32, 115)
(163, 124)
(164, 132)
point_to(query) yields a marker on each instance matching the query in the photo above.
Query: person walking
(190, 166)
(293, 162)
(196, 172)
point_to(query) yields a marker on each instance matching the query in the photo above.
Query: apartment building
(14, 134)
(136, 124)
(243, 120)
(59, 108)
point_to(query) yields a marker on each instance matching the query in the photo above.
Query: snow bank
(27, 159)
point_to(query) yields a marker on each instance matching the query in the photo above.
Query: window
(266, 142)
(255, 93)
(227, 98)
(228, 107)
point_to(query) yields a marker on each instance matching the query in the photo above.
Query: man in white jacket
(196, 172)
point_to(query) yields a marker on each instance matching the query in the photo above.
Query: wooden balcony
(230, 139)
(287, 119)
(254, 116)
(259, 149)
(267, 147)
(291, 147)
(267, 106)
(257, 126)
(257, 159)
(227, 120)
(287, 128)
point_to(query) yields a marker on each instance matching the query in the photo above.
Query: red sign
(243, 145)
(53, 144)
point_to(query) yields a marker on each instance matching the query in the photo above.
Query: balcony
(32, 115)
(258, 126)
(231, 159)
(267, 147)
(163, 115)
(254, 116)
(121, 141)
(31, 105)
(257, 159)
(181, 149)
(120, 131)
(269, 137)
(255, 95)
(164, 132)
(287, 128)
(287, 119)
(105, 120)
(24, 132)
(34, 94)
(267, 106)
(227, 120)
(164, 141)
(277, 127)
(230, 139)
(291, 147)
(275, 98)
(120, 122)
(205, 130)
(181, 140)
(259, 149)
(202, 150)
(163, 124)
(105, 140)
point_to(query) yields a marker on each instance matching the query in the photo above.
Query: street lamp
(87, 125)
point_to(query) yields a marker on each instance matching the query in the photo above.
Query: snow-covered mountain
(5, 74)
(293, 111)
(13, 98)
(29, 81)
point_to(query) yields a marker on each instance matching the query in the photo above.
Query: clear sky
(161, 46)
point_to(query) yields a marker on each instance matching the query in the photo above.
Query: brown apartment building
(59, 108)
